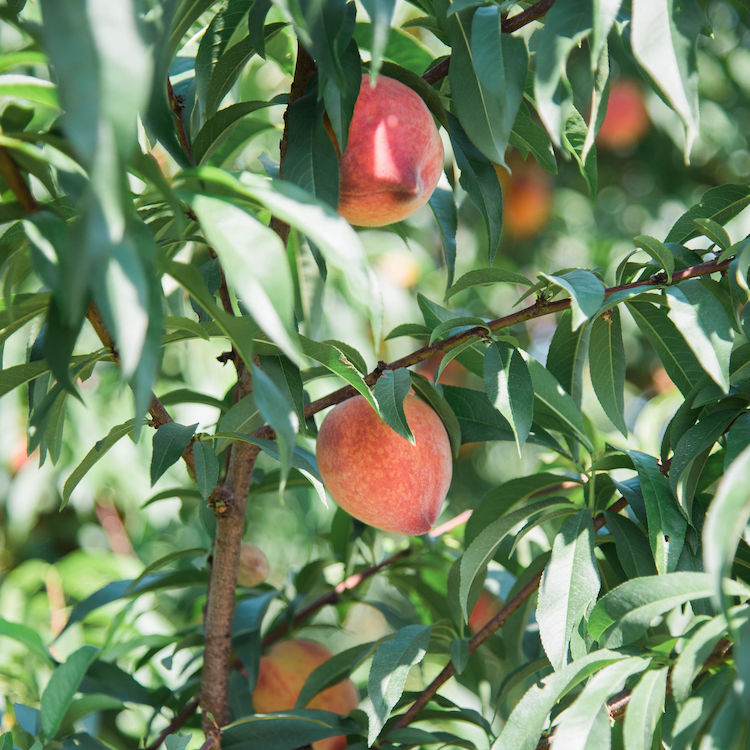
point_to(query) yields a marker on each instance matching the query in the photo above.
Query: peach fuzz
(487, 606)
(284, 671)
(393, 156)
(253, 567)
(378, 476)
(626, 121)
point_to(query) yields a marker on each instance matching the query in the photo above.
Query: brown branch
(178, 721)
(537, 310)
(489, 628)
(177, 107)
(16, 183)
(508, 26)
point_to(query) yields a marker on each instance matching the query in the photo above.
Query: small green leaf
(701, 318)
(725, 522)
(169, 443)
(714, 231)
(435, 399)
(390, 667)
(443, 205)
(586, 293)
(26, 636)
(486, 276)
(206, 468)
(658, 251)
(567, 353)
(62, 686)
(645, 709)
(99, 449)
(381, 13)
(509, 388)
(280, 415)
(569, 586)
(446, 327)
(607, 365)
(666, 524)
(390, 390)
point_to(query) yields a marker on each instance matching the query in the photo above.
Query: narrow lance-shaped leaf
(704, 324)
(443, 205)
(725, 522)
(509, 388)
(206, 468)
(254, 260)
(569, 585)
(280, 415)
(62, 686)
(389, 391)
(645, 709)
(567, 353)
(586, 293)
(581, 725)
(390, 667)
(666, 524)
(169, 443)
(658, 251)
(381, 13)
(607, 363)
(664, 40)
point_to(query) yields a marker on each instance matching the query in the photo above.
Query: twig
(175, 724)
(490, 627)
(16, 183)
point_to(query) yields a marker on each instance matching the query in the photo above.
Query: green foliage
(167, 274)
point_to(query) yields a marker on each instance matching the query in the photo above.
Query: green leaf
(30, 89)
(390, 667)
(509, 388)
(335, 669)
(479, 180)
(218, 127)
(585, 724)
(97, 452)
(485, 276)
(576, 139)
(169, 443)
(453, 325)
(381, 13)
(280, 415)
(549, 393)
(664, 41)
(607, 364)
(526, 722)
(666, 524)
(62, 686)
(586, 293)
(725, 522)
(285, 731)
(26, 636)
(390, 390)
(645, 709)
(720, 204)
(569, 586)
(253, 258)
(633, 550)
(682, 366)
(714, 231)
(443, 205)
(702, 320)
(565, 25)
(206, 468)
(244, 416)
(435, 399)
(487, 75)
(333, 359)
(625, 613)
(415, 330)
(566, 356)
(658, 251)
(528, 138)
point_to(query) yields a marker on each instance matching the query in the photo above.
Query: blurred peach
(626, 121)
(527, 197)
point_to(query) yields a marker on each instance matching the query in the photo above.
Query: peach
(393, 156)
(527, 198)
(487, 606)
(253, 567)
(626, 121)
(378, 476)
(282, 674)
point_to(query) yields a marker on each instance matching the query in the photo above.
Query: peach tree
(182, 302)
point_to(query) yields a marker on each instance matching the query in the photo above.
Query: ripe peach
(393, 156)
(253, 567)
(487, 606)
(282, 674)
(377, 475)
(626, 121)
(527, 198)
